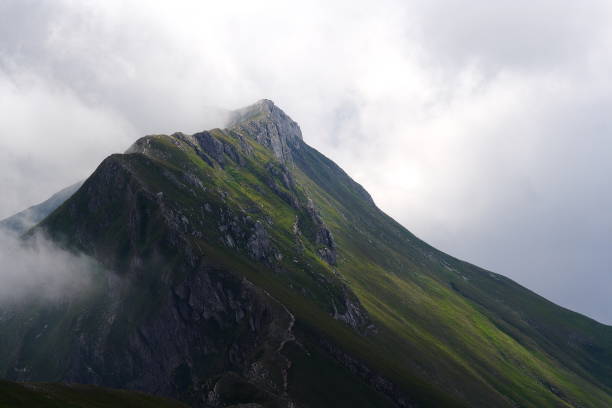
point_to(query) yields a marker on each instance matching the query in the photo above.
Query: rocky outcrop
(323, 236)
(207, 144)
(269, 126)
(352, 312)
(281, 181)
(259, 244)
(208, 147)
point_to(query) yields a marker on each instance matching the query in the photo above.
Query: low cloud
(38, 269)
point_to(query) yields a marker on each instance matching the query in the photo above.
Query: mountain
(42, 395)
(26, 219)
(241, 266)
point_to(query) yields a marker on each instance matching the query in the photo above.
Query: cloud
(482, 127)
(48, 137)
(38, 269)
(518, 35)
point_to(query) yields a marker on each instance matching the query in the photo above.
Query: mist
(482, 127)
(37, 269)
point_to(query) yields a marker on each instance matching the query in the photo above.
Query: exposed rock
(211, 146)
(328, 255)
(287, 188)
(353, 313)
(323, 235)
(259, 244)
(269, 126)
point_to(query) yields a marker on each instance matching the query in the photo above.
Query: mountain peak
(263, 109)
(268, 125)
(283, 286)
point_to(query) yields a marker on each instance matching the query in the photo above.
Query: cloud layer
(483, 127)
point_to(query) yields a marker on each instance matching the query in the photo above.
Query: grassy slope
(46, 395)
(444, 326)
(515, 341)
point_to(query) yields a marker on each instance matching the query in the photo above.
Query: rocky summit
(241, 267)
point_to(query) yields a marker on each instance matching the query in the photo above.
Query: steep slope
(26, 219)
(246, 267)
(42, 395)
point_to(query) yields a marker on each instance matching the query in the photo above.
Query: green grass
(404, 284)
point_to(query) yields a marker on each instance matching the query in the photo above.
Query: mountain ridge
(26, 219)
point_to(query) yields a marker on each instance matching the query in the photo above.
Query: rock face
(201, 337)
(323, 235)
(269, 126)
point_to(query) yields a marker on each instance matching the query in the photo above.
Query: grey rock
(323, 236)
(269, 126)
(210, 145)
(259, 244)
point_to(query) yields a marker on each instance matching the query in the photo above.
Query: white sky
(483, 126)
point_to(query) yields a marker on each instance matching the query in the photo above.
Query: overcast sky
(485, 127)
